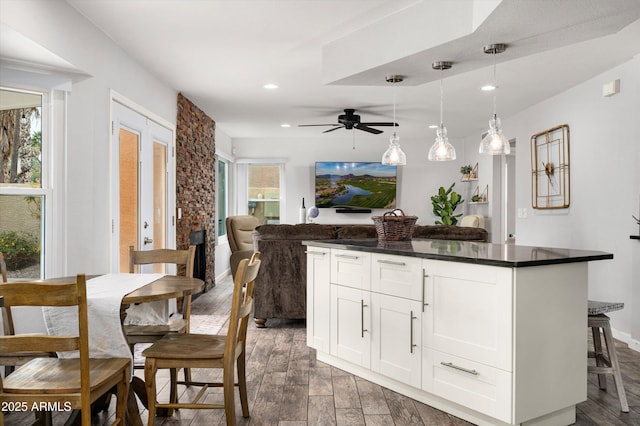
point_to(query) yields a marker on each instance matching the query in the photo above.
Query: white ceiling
(327, 55)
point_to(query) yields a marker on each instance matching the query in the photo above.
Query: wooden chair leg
(242, 385)
(228, 380)
(613, 357)
(597, 349)
(173, 395)
(150, 385)
(123, 396)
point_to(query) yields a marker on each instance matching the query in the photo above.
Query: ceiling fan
(349, 120)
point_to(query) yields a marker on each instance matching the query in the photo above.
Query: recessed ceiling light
(285, 125)
(488, 88)
(270, 86)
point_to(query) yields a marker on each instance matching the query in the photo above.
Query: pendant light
(495, 143)
(442, 150)
(394, 156)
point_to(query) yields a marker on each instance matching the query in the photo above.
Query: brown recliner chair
(240, 237)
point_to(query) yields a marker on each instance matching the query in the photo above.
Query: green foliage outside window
(20, 249)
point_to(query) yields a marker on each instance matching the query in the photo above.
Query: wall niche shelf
(471, 177)
(481, 198)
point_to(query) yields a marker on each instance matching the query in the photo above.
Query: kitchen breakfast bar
(495, 334)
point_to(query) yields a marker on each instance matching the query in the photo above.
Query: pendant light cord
(495, 85)
(441, 98)
(394, 107)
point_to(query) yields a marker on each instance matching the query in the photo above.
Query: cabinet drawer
(351, 268)
(397, 276)
(471, 384)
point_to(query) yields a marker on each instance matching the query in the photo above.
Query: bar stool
(606, 363)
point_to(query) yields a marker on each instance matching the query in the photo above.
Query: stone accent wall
(196, 178)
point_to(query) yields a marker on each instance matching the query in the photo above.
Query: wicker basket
(393, 227)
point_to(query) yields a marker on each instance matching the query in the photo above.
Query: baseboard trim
(223, 275)
(626, 338)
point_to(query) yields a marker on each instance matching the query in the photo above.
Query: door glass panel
(129, 149)
(20, 235)
(264, 192)
(159, 199)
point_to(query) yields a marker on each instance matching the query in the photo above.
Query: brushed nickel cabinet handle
(411, 344)
(315, 252)
(362, 329)
(457, 367)
(391, 262)
(424, 284)
(347, 256)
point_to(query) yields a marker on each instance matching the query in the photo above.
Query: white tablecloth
(104, 297)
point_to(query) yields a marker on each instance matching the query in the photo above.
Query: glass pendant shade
(442, 150)
(495, 143)
(394, 155)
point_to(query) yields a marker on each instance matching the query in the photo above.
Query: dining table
(158, 288)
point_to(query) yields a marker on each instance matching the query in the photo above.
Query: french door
(142, 182)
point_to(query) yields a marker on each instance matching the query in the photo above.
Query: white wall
(605, 185)
(417, 181)
(61, 30)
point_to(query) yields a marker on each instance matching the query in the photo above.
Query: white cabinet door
(318, 297)
(397, 276)
(351, 268)
(469, 312)
(396, 338)
(351, 325)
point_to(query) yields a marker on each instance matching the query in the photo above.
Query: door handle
(147, 240)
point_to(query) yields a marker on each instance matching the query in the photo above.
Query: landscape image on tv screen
(355, 185)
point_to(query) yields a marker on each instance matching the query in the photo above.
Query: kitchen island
(495, 334)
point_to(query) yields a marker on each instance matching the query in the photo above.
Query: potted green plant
(444, 205)
(466, 171)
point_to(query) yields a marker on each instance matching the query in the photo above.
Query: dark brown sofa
(281, 286)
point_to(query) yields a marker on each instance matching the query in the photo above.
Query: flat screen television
(347, 185)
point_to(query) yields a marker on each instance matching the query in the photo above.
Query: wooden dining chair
(150, 333)
(68, 383)
(208, 351)
(12, 360)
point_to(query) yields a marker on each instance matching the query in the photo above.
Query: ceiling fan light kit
(442, 150)
(495, 143)
(394, 155)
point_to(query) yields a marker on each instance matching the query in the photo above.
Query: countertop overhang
(506, 255)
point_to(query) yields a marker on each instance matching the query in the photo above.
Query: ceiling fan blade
(313, 125)
(369, 129)
(387, 123)
(331, 130)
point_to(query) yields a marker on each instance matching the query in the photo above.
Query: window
(23, 185)
(222, 194)
(263, 191)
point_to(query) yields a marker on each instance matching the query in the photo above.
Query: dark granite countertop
(507, 255)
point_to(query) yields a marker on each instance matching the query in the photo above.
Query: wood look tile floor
(288, 387)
